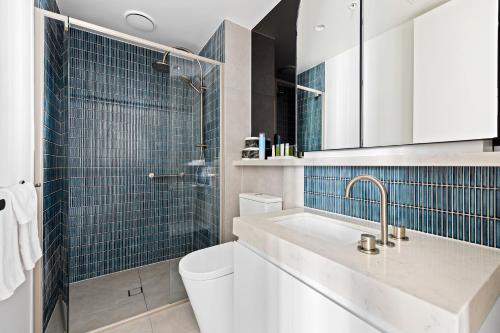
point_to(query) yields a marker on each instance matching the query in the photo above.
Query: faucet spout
(384, 232)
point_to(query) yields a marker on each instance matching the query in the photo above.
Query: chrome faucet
(384, 234)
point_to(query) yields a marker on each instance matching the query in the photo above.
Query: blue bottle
(262, 146)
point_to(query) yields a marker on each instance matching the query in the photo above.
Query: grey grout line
(142, 288)
(414, 183)
(427, 209)
(470, 206)
(151, 324)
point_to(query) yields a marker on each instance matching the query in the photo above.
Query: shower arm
(202, 144)
(165, 55)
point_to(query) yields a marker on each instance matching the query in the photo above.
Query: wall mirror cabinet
(415, 71)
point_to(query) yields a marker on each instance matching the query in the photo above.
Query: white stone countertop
(428, 284)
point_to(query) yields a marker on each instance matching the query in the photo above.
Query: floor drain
(135, 291)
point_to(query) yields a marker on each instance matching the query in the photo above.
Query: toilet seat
(207, 264)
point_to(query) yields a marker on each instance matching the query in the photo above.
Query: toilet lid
(208, 264)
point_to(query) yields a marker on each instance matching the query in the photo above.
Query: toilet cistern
(384, 234)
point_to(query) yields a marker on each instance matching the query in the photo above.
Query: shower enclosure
(129, 161)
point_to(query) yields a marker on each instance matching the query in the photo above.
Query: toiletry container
(262, 146)
(208, 277)
(252, 142)
(250, 154)
(259, 203)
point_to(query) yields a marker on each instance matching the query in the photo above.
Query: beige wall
(287, 182)
(284, 182)
(237, 113)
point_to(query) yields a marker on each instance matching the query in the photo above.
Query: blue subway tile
(455, 202)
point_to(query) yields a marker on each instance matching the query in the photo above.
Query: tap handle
(399, 232)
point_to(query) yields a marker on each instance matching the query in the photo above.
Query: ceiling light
(320, 27)
(139, 20)
(353, 5)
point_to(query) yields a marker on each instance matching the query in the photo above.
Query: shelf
(454, 159)
(270, 163)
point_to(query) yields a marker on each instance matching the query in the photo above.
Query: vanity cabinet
(269, 300)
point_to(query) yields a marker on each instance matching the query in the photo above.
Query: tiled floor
(177, 319)
(105, 300)
(57, 320)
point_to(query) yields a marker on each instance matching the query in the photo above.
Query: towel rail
(36, 184)
(2, 201)
(154, 175)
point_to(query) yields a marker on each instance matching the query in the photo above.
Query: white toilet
(208, 274)
(259, 203)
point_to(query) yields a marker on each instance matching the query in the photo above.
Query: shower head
(185, 79)
(162, 66)
(188, 81)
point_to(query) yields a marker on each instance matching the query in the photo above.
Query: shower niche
(107, 119)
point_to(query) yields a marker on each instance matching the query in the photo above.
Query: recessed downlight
(139, 21)
(353, 5)
(320, 27)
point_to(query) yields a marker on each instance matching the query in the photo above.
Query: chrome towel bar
(36, 184)
(153, 175)
(2, 201)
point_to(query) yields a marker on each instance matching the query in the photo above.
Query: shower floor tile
(177, 292)
(105, 300)
(177, 319)
(155, 281)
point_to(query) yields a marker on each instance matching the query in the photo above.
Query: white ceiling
(187, 23)
(342, 25)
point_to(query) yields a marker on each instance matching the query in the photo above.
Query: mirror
(328, 67)
(429, 71)
(274, 57)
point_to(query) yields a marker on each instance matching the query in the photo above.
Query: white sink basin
(320, 227)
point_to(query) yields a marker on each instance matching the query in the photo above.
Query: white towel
(11, 268)
(24, 204)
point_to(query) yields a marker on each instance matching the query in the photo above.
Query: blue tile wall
(207, 183)
(50, 5)
(457, 202)
(54, 155)
(313, 78)
(126, 120)
(207, 187)
(65, 184)
(215, 46)
(309, 109)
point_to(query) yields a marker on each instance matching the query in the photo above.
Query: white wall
(388, 88)
(341, 115)
(456, 72)
(16, 132)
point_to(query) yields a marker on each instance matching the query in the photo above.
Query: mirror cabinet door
(429, 71)
(328, 75)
